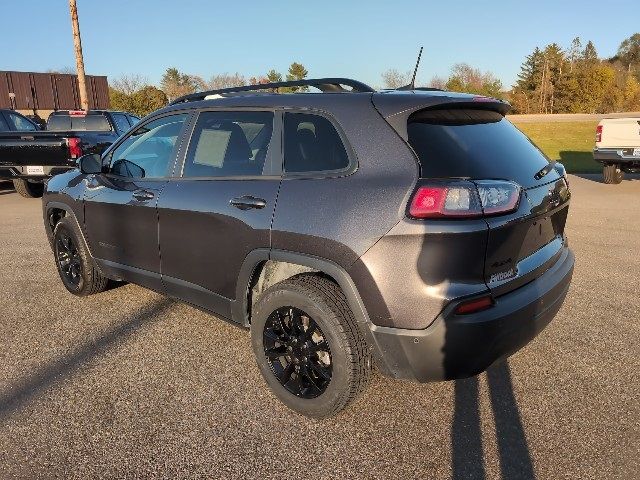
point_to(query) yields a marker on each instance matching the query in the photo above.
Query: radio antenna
(415, 71)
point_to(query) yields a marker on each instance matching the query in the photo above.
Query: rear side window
(312, 144)
(4, 127)
(227, 144)
(94, 123)
(472, 144)
(122, 124)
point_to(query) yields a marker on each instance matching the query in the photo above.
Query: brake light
(475, 305)
(75, 147)
(598, 133)
(77, 113)
(445, 201)
(464, 199)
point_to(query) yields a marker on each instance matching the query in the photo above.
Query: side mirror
(91, 163)
(125, 168)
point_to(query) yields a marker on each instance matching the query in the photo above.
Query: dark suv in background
(419, 231)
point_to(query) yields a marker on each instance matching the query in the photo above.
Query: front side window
(149, 150)
(3, 124)
(227, 144)
(21, 123)
(312, 144)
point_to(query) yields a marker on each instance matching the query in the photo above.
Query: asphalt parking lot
(131, 384)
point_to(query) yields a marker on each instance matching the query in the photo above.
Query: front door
(121, 217)
(220, 208)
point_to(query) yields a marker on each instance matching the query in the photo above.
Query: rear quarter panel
(339, 219)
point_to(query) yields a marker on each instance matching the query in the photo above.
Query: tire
(28, 189)
(73, 261)
(347, 357)
(612, 174)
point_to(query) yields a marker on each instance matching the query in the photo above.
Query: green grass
(569, 142)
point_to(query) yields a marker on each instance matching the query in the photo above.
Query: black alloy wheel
(68, 258)
(297, 352)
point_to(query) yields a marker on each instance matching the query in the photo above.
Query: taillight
(464, 199)
(497, 196)
(75, 147)
(475, 305)
(598, 133)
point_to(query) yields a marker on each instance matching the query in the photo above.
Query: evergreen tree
(175, 84)
(297, 72)
(531, 71)
(589, 54)
(574, 52)
(274, 76)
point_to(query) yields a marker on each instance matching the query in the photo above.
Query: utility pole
(77, 45)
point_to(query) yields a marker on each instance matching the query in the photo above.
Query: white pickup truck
(618, 147)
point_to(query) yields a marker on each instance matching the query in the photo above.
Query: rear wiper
(545, 170)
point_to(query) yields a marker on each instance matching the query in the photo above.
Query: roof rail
(323, 84)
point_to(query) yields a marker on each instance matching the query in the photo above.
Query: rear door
(221, 207)
(120, 206)
(482, 145)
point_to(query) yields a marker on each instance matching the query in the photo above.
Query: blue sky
(358, 39)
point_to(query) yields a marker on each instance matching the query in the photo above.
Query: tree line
(134, 93)
(554, 80)
(551, 80)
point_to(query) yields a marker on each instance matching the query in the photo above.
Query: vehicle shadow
(6, 187)
(23, 391)
(466, 435)
(575, 160)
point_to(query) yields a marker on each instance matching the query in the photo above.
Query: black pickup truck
(29, 155)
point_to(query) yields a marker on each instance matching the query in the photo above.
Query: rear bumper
(615, 155)
(458, 346)
(9, 172)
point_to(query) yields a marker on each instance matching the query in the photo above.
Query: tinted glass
(229, 144)
(3, 124)
(21, 123)
(133, 120)
(311, 144)
(94, 123)
(122, 124)
(148, 151)
(473, 143)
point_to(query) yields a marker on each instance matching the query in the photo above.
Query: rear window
(473, 144)
(95, 123)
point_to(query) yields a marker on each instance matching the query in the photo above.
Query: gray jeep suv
(417, 231)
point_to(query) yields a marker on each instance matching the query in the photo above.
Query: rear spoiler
(396, 111)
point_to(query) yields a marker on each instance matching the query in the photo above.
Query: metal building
(42, 93)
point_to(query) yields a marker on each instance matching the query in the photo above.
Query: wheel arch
(253, 268)
(55, 211)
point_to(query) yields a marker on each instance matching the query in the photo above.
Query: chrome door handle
(247, 202)
(143, 195)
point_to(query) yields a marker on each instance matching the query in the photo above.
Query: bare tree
(129, 84)
(438, 82)
(77, 44)
(64, 70)
(392, 78)
(226, 80)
